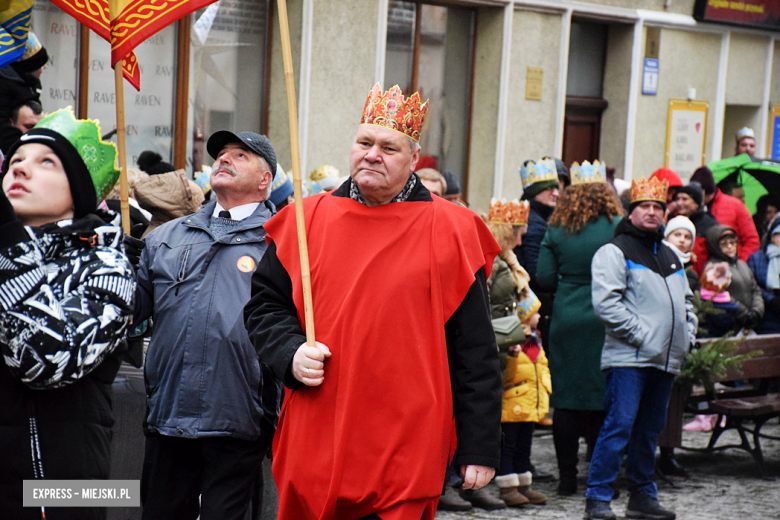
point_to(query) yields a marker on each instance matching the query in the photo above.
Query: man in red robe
(405, 363)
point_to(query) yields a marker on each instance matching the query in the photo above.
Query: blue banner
(14, 28)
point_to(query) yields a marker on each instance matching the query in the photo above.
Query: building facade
(636, 83)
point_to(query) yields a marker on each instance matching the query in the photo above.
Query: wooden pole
(296, 166)
(124, 188)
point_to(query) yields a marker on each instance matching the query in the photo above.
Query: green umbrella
(756, 176)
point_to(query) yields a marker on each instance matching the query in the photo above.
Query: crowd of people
(443, 338)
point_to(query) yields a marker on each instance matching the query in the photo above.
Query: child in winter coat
(680, 235)
(66, 300)
(526, 400)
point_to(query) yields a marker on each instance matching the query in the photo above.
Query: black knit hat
(34, 62)
(259, 144)
(453, 186)
(704, 177)
(694, 191)
(152, 163)
(634, 204)
(82, 189)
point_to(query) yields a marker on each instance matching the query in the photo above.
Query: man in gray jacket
(212, 405)
(641, 294)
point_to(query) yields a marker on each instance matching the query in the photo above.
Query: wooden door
(582, 129)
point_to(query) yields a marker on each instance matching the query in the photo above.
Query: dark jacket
(759, 265)
(641, 295)
(703, 221)
(55, 381)
(528, 252)
(576, 334)
(272, 321)
(15, 89)
(203, 376)
(744, 290)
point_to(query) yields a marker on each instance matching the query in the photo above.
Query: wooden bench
(742, 407)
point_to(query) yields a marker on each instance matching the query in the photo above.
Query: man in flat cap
(405, 354)
(212, 405)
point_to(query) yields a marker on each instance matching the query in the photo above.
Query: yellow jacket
(527, 389)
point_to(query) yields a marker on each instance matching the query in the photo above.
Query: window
(59, 34)
(227, 72)
(429, 49)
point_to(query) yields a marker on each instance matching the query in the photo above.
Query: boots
(524, 488)
(451, 501)
(508, 490)
(483, 499)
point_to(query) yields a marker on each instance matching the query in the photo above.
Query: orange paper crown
(513, 212)
(652, 190)
(391, 110)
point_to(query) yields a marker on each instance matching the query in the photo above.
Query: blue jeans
(635, 401)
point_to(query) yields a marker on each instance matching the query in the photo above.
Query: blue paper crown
(529, 306)
(587, 173)
(541, 171)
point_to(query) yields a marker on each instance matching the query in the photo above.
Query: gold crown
(652, 190)
(391, 110)
(513, 212)
(588, 173)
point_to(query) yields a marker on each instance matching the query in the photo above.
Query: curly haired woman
(585, 219)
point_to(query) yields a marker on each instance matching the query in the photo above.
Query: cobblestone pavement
(723, 485)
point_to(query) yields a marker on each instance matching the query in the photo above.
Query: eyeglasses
(728, 242)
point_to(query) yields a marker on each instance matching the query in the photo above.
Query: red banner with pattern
(94, 14)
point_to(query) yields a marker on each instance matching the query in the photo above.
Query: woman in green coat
(583, 221)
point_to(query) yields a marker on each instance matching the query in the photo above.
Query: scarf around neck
(773, 267)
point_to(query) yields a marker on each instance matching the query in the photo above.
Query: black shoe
(671, 468)
(642, 505)
(598, 510)
(567, 486)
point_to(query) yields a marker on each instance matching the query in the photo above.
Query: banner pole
(296, 167)
(124, 187)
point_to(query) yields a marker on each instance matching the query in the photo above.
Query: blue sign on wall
(776, 137)
(650, 77)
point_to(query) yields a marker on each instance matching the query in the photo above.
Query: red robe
(377, 435)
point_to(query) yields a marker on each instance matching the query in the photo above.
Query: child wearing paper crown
(66, 299)
(526, 400)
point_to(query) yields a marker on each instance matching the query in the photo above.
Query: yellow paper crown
(652, 190)
(392, 110)
(587, 173)
(513, 212)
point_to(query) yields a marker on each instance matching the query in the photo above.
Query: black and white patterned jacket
(66, 299)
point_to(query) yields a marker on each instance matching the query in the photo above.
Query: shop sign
(686, 130)
(764, 14)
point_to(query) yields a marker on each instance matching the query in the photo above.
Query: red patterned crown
(652, 190)
(391, 110)
(513, 212)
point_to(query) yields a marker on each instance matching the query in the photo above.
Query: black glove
(774, 305)
(134, 245)
(7, 213)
